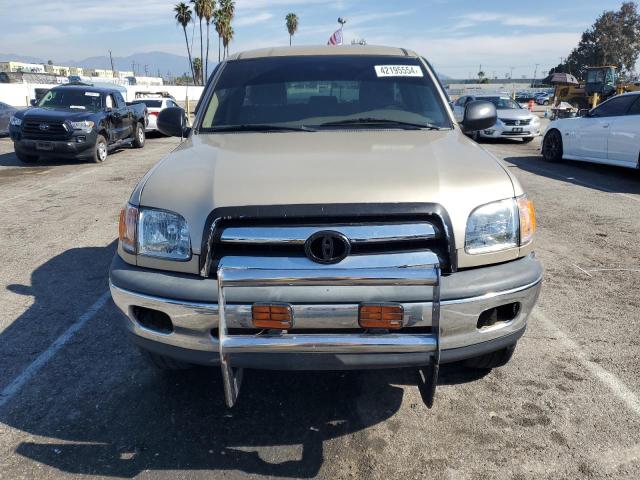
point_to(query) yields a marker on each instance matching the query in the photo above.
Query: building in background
(21, 67)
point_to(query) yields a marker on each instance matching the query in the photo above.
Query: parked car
(513, 120)
(154, 106)
(80, 121)
(356, 227)
(609, 133)
(544, 98)
(6, 112)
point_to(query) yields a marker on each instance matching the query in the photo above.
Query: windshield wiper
(259, 128)
(369, 121)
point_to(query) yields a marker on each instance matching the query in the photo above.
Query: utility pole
(113, 70)
(146, 70)
(535, 74)
(341, 21)
(133, 68)
(511, 75)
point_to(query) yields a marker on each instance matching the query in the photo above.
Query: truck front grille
(514, 123)
(44, 130)
(367, 236)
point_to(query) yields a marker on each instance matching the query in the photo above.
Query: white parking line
(27, 374)
(612, 382)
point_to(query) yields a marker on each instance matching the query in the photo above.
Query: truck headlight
(15, 121)
(85, 126)
(492, 227)
(500, 225)
(154, 233)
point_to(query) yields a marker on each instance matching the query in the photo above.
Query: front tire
(491, 360)
(24, 158)
(139, 136)
(552, 146)
(100, 150)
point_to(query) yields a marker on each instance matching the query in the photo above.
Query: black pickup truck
(78, 121)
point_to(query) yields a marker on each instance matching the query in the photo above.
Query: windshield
(501, 103)
(72, 99)
(325, 92)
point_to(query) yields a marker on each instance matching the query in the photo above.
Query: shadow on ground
(606, 178)
(97, 408)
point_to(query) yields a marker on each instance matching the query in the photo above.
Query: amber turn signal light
(387, 316)
(272, 315)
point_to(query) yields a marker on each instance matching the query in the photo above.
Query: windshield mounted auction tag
(398, 71)
(92, 94)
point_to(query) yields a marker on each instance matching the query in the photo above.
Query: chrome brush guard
(398, 269)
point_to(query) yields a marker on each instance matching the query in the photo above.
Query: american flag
(336, 38)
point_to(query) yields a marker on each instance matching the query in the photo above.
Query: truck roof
(87, 87)
(319, 50)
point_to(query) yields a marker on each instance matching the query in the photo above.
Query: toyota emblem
(327, 247)
(44, 126)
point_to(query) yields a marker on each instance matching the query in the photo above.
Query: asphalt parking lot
(76, 400)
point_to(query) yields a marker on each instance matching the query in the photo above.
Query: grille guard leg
(232, 377)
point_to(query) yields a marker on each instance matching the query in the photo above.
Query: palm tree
(218, 21)
(198, 6)
(208, 11)
(228, 8)
(227, 36)
(197, 67)
(183, 17)
(292, 25)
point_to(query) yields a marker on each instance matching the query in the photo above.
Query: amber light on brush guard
(381, 316)
(275, 316)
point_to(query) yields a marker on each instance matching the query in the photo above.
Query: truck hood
(55, 115)
(209, 171)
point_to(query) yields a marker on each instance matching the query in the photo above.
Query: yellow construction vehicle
(601, 83)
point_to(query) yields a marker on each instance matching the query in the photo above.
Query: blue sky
(457, 36)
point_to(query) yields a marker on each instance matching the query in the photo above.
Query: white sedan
(154, 106)
(610, 133)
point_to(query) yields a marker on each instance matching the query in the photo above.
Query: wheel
(24, 158)
(527, 139)
(545, 103)
(552, 146)
(164, 363)
(100, 150)
(491, 360)
(138, 136)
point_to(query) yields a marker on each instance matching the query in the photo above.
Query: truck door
(116, 121)
(127, 115)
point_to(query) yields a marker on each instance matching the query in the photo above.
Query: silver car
(513, 120)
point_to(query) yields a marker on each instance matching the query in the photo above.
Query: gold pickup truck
(326, 211)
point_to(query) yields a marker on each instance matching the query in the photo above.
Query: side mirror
(33, 102)
(479, 115)
(171, 122)
(108, 109)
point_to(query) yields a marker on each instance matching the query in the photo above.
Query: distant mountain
(154, 61)
(7, 57)
(165, 62)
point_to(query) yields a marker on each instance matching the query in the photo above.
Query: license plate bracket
(517, 130)
(44, 146)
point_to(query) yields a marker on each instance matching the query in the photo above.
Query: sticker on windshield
(398, 71)
(92, 94)
(79, 107)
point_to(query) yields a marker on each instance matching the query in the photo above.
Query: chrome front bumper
(201, 330)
